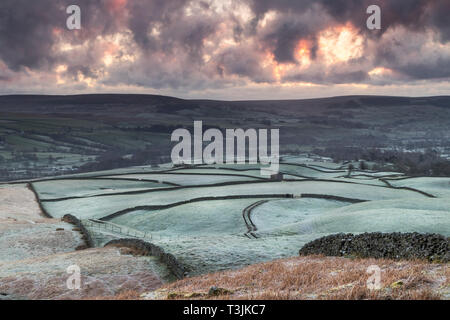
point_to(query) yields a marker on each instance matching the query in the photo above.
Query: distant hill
(40, 102)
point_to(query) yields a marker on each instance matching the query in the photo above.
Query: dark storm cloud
(284, 37)
(85, 70)
(413, 13)
(174, 28)
(439, 15)
(29, 29)
(244, 62)
(409, 55)
(145, 15)
(189, 34)
(424, 71)
(22, 41)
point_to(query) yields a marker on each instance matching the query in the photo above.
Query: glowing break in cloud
(220, 48)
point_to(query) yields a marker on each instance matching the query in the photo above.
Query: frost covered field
(228, 216)
(35, 252)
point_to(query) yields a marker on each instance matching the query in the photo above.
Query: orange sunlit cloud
(303, 53)
(278, 69)
(336, 45)
(340, 44)
(380, 71)
(109, 53)
(56, 31)
(116, 5)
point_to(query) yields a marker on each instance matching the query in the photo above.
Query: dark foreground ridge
(409, 246)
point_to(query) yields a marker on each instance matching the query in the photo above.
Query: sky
(226, 49)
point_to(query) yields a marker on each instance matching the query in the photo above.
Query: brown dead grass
(18, 205)
(318, 277)
(126, 295)
(105, 274)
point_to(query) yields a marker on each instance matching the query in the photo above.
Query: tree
(363, 165)
(350, 169)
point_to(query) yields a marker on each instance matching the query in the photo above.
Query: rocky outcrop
(143, 248)
(408, 246)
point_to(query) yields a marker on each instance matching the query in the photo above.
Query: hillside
(220, 217)
(349, 165)
(36, 251)
(145, 226)
(52, 135)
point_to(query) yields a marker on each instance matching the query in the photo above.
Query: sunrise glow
(379, 71)
(340, 44)
(303, 53)
(195, 46)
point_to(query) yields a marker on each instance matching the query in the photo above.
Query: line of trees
(428, 163)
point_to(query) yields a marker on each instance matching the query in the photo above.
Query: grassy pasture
(203, 218)
(187, 179)
(278, 213)
(105, 205)
(363, 180)
(89, 187)
(113, 172)
(207, 253)
(26, 144)
(210, 235)
(404, 215)
(209, 170)
(439, 187)
(311, 172)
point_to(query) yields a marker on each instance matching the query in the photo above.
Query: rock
(193, 295)
(6, 297)
(215, 291)
(396, 284)
(173, 295)
(81, 247)
(60, 229)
